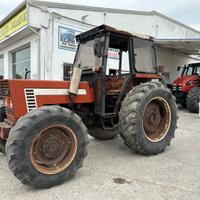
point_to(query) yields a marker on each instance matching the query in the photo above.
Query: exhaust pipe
(75, 80)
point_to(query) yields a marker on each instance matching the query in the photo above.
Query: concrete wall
(165, 29)
(133, 23)
(152, 23)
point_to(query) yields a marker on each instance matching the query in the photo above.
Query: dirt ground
(111, 171)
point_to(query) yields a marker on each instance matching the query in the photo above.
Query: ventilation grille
(30, 99)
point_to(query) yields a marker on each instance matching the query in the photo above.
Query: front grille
(5, 92)
(30, 99)
(4, 88)
(177, 87)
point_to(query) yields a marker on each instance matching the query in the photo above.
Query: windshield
(192, 69)
(86, 57)
(145, 60)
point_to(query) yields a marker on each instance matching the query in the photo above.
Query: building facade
(37, 39)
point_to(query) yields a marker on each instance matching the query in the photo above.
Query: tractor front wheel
(2, 146)
(148, 118)
(47, 146)
(2, 142)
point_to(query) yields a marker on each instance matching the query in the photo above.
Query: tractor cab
(190, 78)
(114, 61)
(191, 69)
(43, 122)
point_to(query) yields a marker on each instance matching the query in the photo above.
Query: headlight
(188, 83)
(174, 87)
(8, 102)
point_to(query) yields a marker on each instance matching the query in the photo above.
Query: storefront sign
(14, 24)
(113, 53)
(67, 38)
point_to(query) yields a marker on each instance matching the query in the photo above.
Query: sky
(185, 11)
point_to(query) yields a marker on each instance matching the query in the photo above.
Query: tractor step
(109, 115)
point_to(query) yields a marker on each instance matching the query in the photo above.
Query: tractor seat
(114, 85)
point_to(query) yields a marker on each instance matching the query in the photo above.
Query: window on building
(67, 71)
(21, 64)
(1, 67)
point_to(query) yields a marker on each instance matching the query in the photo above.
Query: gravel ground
(111, 171)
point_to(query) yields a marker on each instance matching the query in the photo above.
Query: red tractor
(185, 88)
(44, 122)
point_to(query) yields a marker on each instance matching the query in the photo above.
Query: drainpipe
(51, 26)
(38, 50)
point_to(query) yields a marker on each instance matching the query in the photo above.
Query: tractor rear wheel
(47, 146)
(193, 100)
(148, 118)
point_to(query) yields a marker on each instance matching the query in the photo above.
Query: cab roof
(103, 29)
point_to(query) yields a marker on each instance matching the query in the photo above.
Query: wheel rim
(156, 119)
(53, 149)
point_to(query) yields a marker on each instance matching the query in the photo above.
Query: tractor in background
(186, 87)
(45, 124)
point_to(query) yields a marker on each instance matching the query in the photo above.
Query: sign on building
(67, 38)
(113, 53)
(14, 24)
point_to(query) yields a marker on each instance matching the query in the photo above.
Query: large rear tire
(47, 146)
(193, 100)
(148, 118)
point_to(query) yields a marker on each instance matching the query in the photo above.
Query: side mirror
(178, 68)
(98, 48)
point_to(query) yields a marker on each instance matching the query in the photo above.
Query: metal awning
(182, 46)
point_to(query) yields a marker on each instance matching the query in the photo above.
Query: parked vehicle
(185, 87)
(44, 126)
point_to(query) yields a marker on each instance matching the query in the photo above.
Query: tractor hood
(183, 79)
(32, 94)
